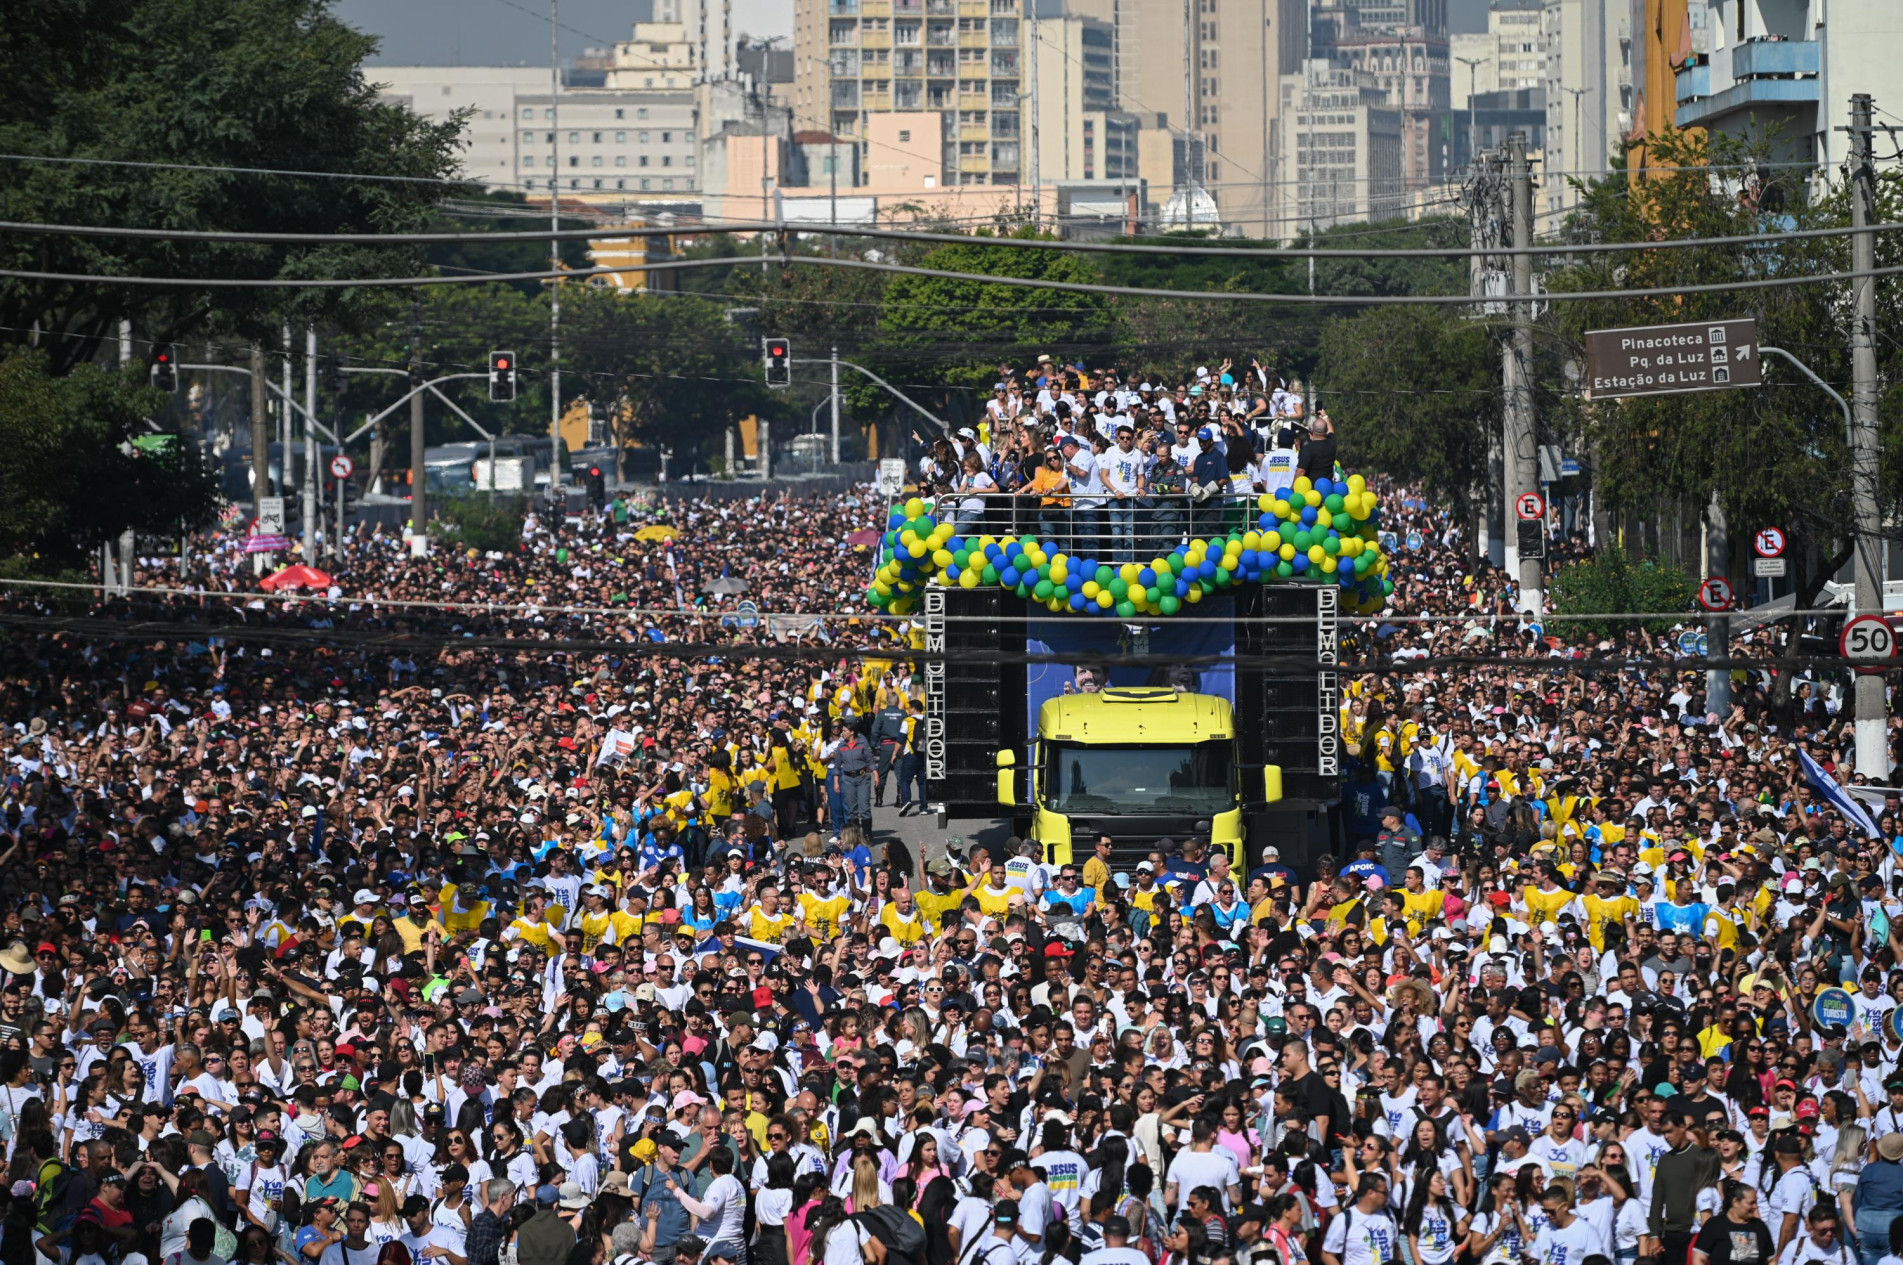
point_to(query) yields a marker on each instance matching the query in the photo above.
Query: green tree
(208, 85)
(71, 479)
(1437, 430)
(1611, 582)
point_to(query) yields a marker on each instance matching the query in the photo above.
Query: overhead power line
(1032, 283)
(911, 235)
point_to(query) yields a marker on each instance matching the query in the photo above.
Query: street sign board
(341, 466)
(1668, 359)
(1867, 639)
(1529, 506)
(1769, 543)
(270, 516)
(1770, 568)
(1715, 594)
(891, 475)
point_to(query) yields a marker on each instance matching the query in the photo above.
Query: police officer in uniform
(854, 761)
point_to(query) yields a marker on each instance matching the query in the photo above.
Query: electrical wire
(785, 227)
(1033, 283)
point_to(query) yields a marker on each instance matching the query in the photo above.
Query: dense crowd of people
(329, 949)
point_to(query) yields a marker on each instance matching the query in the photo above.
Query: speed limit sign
(341, 466)
(1529, 506)
(1867, 639)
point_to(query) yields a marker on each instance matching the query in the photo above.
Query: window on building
(621, 160)
(621, 138)
(574, 138)
(644, 160)
(596, 137)
(646, 184)
(549, 113)
(667, 184)
(528, 160)
(620, 113)
(667, 160)
(528, 112)
(595, 161)
(667, 138)
(621, 184)
(574, 160)
(905, 136)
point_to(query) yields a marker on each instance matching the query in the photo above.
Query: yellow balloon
(1281, 509)
(985, 542)
(941, 558)
(1251, 540)
(1195, 594)
(1356, 483)
(1287, 553)
(914, 507)
(1329, 565)
(1059, 559)
(1091, 590)
(1324, 519)
(1316, 553)
(1271, 541)
(1128, 572)
(1312, 497)
(1059, 573)
(916, 549)
(968, 579)
(1302, 483)
(1265, 502)
(907, 536)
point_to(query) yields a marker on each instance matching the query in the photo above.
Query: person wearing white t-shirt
(1567, 1239)
(1122, 470)
(1204, 1164)
(426, 1240)
(1363, 1233)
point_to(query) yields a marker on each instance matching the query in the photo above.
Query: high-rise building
(1587, 81)
(964, 59)
(1409, 64)
(1341, 149)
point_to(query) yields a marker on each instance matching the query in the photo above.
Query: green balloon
(1333, 502)
(961, 559)
(1170, 604)
(1119, 589)
(1284, 570)
(1043, 590)
(1043, 570)
(1153, 597)
(1332, 545)
(1126, 609)
(1175, 563)
(1214, 545)
(1224, 578)
(990, 575)
(1302, 541)
(1104, 576)
(878, 599)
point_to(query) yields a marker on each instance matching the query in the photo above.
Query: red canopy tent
(297, 577)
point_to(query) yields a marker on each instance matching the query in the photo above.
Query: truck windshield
(1107, 779)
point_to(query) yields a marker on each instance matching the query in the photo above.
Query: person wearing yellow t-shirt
(766, 921)
(941, 896)
(996, 895)
(1725, 919)
(1607, 905)
(1545, 899)
(902, 919)
(533, 927)
(414, 925)
(1420, 903)
(463, 908)
(824, 909)
(723, 790)
(601, 922)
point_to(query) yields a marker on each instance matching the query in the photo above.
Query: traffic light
(597, 487)
(779, 362)
(334, 380)
(165, 370)
(502, 376)
(1532, 539)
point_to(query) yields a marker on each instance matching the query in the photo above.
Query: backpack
(904, 1238)
(49, 1197)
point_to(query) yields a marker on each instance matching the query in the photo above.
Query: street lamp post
(1473, 138)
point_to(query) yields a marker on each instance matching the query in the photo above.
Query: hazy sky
(511, 32)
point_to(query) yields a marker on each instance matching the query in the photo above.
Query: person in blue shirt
(1685, 914)
(1362, 800)
(1364, 865)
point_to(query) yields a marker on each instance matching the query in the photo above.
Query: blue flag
(1827, 786)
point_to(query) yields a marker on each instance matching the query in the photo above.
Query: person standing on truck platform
(854, 761)
(888, 739)
(912, 757)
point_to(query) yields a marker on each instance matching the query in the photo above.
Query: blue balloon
(894, 519)
(1348, 578)
(1247, 559)
(1207, 569)
(1266, 522)
(1074, 582)
(1324, 485)
(1182, 588)
(1009, 577)
(1146, 577)
(956, 544)
(1283, 493)
(951, 570)
(1077, 601)
(1299, 562)
(1308, 514)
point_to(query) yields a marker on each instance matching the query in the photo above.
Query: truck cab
(1138, 765)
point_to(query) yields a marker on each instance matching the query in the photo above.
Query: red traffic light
(776, 349)
(594, 472)
(502, 362)
(165, 357)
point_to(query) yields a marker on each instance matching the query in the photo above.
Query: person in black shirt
(1736, 1236)
(1316, 458)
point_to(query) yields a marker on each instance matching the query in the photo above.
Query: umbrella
(297, 577)
(867, 537)
(656, 531)
(727, 584)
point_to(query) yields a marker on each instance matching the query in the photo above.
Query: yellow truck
(1138, 765)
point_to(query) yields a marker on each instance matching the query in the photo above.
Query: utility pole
(1473, 136)
(1872, 715)
(1037, 119)
(1717, 627)
(285, 467)
(835, 399)
(555, 247)
(260, 430)
(419, 461)
(1522, 450)
(310, 445)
